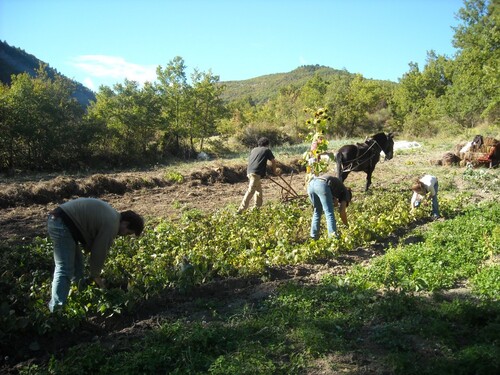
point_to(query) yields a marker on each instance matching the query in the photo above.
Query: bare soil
(25, 203)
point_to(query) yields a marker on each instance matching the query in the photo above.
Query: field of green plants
(429, 304)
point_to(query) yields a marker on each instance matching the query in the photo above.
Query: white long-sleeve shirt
(429, 182)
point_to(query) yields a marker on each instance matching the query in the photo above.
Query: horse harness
(352, 166)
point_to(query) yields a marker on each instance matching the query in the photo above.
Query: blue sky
(102, 42)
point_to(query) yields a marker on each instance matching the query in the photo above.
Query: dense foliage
(42, 126)
(172, 117)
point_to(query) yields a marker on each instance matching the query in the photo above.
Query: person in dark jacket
(256, 170)
(92, 223)
(326, 192)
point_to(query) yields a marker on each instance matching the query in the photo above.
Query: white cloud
(112, 68)
(89, 83)
(302, 60)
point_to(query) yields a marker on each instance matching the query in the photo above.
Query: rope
(350, 167)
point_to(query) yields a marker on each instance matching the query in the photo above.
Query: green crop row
(452, 251)
(196, 249)
(387, 318)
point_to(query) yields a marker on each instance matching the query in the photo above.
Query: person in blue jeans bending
(326, 192)
(93, 224)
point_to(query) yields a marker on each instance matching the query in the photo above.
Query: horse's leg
(368, 179)
(340, 174)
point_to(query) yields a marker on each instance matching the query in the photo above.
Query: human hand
(84, 283)
(101, 283)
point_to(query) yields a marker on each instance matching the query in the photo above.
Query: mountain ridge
(252, 87)
(14, 60)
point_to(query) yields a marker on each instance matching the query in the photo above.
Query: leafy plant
(307, 322)
(317, 125)
(174, 177)
(451, 251)
(486, 283)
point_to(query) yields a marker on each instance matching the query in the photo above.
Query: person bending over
(93, 224)
(427, 186)
(326, 192)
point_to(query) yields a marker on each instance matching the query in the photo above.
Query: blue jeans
(322, 201)
(435, 205)
(68, 259)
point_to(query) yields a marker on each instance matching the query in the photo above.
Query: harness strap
(351, 166)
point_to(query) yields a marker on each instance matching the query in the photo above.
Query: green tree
(289, 112)
(351, 100)
(131, 116)
(313, 92)
(242, 115)
(287, 105)
(475, 93)
(41, 126)
(7, 130)
(173, 90)
(337, 99)
(207, 106)
(419, 100)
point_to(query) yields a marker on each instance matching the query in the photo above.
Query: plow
(288, 193)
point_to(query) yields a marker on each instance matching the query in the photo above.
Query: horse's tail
(339, 159)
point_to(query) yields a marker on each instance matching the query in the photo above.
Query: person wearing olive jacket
(325, 192)
(92, 223)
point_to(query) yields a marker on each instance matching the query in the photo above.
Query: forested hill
(264, 87)
(15, 61)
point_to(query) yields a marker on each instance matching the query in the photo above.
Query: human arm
(98, 252)
(431, 190)
(417, 199)
(273, 166)
(343, 212)
(413, 200)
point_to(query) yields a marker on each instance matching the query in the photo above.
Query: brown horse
(364, 156)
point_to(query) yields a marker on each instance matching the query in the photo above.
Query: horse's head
(386, 143)
(477, 141)
(389, 147)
